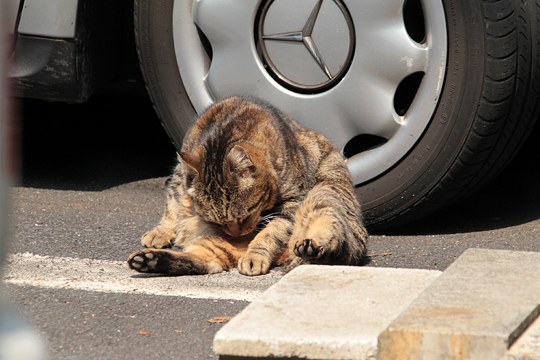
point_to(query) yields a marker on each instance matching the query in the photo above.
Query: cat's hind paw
(308, 249)
(143, 261)
(167, 262)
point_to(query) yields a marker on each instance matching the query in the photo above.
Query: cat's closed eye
(190, 177)
(257, 204)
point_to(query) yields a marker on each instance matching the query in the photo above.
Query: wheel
(428, 100)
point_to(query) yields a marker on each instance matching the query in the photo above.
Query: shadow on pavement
(513, 198)
(108, 141)
(117, 139)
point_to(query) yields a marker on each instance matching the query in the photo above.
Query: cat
(253, 189)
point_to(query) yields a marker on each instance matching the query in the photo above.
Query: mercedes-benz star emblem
(313, 58)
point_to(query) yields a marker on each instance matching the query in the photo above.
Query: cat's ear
(192, 159)
(241, 159)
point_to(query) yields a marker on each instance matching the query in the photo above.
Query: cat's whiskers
(263, 221)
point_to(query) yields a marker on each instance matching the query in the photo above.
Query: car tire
(487, 105)
(153, 36)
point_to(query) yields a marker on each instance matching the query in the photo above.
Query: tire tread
(506, 112)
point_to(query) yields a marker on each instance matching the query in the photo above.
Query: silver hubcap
(339, 67)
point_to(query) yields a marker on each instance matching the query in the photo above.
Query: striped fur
(252, 190)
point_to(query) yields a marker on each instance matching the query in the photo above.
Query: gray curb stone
(527, 347)
(322, 312)
(475, 310)
(486, 305)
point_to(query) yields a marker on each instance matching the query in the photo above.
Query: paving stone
(474, 310)
(322, 312)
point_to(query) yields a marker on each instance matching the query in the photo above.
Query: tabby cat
(252, 190)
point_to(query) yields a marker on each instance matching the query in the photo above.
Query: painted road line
(114, 277)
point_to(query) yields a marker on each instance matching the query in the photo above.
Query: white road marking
(115, 277)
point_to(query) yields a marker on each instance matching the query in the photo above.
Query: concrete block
(527, 347)
(322, 312)
(475, 310)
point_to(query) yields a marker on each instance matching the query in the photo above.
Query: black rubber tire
(487, 107)
(155, 48)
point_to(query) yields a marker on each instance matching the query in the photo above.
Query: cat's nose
(234, 229)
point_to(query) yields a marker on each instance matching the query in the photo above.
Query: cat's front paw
(253, 264)
(157, 239)
(308, 249)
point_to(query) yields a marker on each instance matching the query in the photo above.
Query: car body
(63, 50)
(427, 100)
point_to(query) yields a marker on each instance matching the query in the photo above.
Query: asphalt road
(91, 184)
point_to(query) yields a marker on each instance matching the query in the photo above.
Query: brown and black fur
(252, 190)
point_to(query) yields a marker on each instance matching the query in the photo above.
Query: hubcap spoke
(384, 47)
(228, 25)
(385, 55)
